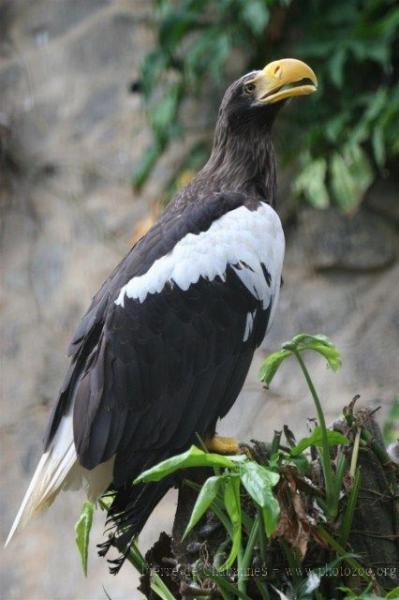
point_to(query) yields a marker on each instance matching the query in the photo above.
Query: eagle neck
(242, 161)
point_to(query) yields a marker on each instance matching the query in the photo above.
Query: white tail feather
(59, 469)
(49, 477)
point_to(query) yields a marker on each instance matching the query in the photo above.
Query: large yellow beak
(277, 81)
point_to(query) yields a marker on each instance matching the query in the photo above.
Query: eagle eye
(249, 87)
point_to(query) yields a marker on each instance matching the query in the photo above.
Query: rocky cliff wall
(70, 133)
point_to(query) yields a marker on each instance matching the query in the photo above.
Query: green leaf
(82, 533)
(391, 425)
(311, 182)
(163, 113)
(336, 66)
(154, 64)
(271, 365)
(233, 508)
(334, 438)
(160, 588)
(351, 175)
(259, 482)
(146, 164)
(318, 343)
(378, 144)
(175, 25)
(332, 355)
(194, 457)
(347, 520)
(255, 15)
(213, 41)
(231, 590)
(207, 495)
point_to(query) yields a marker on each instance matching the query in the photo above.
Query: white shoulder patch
(240, 237)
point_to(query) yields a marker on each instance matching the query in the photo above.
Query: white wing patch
(249, 325)
(240, 236)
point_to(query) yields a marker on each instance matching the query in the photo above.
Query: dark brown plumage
(164, 349)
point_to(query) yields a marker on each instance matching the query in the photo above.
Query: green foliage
(194, 457)
(391, 425)
(351, 595)
(323, 346)
(256, 479)
(256, 499)
(259, 483)
(338, 140)
(82, 532)
(300, 343)
(334, 438)
(232, 504)
(207, 495)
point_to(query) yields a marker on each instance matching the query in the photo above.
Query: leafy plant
(269, 505)
(322, 345)
(257, 480)
(338, 141)
(82, 531)
(391, 425)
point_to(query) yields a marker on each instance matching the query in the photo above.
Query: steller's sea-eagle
(163, 350)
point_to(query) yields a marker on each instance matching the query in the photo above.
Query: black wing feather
(147, 377)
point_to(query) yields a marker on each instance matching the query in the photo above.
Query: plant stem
(262, 590)
(352, 562)
(292, 562)
(325, 455)
(350, 509)
(241, 577)
(262, 537)
(246, 559)
(355, 453)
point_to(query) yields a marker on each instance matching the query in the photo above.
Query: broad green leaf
(163, 113)
(174, 27)
(318, 343)
(82, 533)
(378, 144)
(207, 495)
(336, 66)
(223, 585)
(351, 175)
(259, 482)
(160, 588)
(194, 457)
(391, 425)
(232, 504)
(311, 182)
(271, 364)
(154, 64)
(331, 354)
(144, 167)
(270, 514)
(256, 15)
(303, 339)
(334, 438)
(302, 464)
(337, 125)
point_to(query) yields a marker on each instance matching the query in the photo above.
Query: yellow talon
(223, 445)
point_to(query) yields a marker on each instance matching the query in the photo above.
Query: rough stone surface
(363, 242)
(70, 133)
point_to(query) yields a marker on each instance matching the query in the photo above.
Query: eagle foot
(224, 445)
